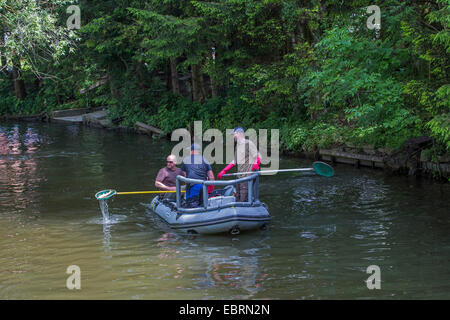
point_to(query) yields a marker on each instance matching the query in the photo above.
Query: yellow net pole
(143, 192)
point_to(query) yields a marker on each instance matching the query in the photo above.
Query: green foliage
(309, 68)
(311, 135)
(33, 32)
(440, 129)
(173, 113)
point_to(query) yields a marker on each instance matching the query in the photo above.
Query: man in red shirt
(167, 176)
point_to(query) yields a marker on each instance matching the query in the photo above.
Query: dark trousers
(194, 196)
(242, 192)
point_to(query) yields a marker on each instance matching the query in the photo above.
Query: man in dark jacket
(195, 166)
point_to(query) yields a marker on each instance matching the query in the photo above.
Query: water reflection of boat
(221, 213)
(216, 266)
(237, 273)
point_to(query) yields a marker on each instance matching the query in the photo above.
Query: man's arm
(162, 186)
(226, 169)
(183, 169)
(210, 175)
(160, 178)
(254, 156)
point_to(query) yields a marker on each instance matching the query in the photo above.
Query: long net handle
(143, 192)
(268, 171)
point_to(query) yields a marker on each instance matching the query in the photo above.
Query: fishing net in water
(104, 209)
(102, 198)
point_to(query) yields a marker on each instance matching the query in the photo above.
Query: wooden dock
(441, 169)
(75, 116)
(352, 158)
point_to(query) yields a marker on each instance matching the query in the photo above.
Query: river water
(324, 233)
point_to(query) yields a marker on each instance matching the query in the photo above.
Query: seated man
(167, 177)
(195, 166)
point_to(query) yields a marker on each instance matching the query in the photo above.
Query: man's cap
(195, 146)
(237, 129)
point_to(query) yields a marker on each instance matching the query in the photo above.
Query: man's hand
(225, 170)
(163, 187)
(221, 173)
(256, 164)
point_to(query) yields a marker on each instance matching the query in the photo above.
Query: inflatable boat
(220, 213)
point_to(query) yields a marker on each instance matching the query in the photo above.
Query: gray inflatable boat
(220, 213)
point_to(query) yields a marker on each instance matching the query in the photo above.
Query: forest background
(313, 68)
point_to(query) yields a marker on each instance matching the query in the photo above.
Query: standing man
(167, 176)
(195, 166)
(247, 158)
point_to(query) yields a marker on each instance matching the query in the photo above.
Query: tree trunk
(213, 88)
(202, 86)
(3, 64)
(112, 88)
(306, 32)
(3, 61)
(5, 71)
(140, 76)
(198, 91)
(174, 76)
(19, 84)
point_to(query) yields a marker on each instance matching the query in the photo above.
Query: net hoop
(105, 194)
(323, 169)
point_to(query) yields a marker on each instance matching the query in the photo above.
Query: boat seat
(220, 201)
(227, 191)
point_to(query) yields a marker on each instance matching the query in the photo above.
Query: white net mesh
(104, 208)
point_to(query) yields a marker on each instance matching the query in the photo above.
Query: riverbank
(413, 159)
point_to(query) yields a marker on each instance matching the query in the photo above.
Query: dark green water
(323, 235)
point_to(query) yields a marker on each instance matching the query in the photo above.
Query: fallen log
(147, 129)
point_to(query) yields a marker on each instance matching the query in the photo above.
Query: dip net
(102, 198)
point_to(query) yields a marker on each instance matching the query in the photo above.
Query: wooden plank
(69, 112)
(74, 112)
(348, 155)
(149, 129)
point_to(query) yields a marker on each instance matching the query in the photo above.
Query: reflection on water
(323, 235)
(237, 272)
(107, 236)
(19, 177)
(222, 267)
